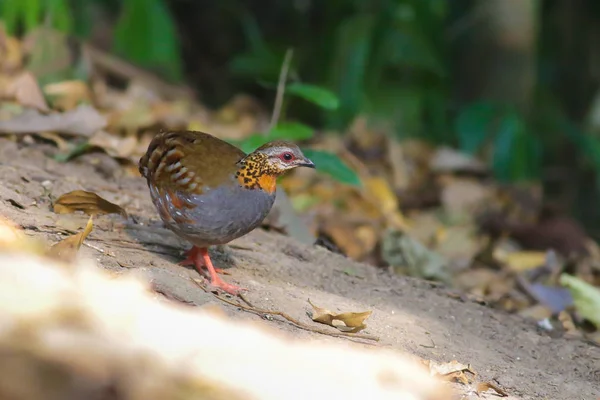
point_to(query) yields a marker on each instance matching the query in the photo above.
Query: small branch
(285, 67)
(297, 323)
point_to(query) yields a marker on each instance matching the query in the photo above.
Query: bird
(209, 192)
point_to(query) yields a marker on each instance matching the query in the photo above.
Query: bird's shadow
(153, 236)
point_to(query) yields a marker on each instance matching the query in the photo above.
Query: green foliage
(32, 13)
(330, 164)
(473, 125)
(326, 162)
(585, 296)
(516, 152)
(315, 94)
(145, 33)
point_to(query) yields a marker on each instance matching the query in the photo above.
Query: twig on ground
(281, 314)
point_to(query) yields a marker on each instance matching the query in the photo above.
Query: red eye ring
(287, 156)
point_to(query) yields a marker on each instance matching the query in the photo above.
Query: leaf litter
(87, 202)
(351, 322)
(404, 185)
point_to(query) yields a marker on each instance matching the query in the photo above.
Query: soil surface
(410, 315)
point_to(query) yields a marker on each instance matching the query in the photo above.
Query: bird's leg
(203, 259)
(192, 259)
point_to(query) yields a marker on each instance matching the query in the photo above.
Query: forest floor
(410, 315)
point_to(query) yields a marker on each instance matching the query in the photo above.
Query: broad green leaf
(353, 48)
(585, 296)
(60, 14)
(251, 143)
(473, 125)
(516, 151)
(32, 10)
(315, 94)
(332, 165)
(503, 145)
(402, 105)
(411, 49)
(293, 131)
(11, 14)
(145, 33)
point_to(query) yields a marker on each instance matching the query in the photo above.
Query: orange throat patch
(254, 173)
(268, 183)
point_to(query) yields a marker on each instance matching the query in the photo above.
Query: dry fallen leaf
(83, 120)
(447, 368)
(114, 145)
(67, 249)
(11, 54)
(351, 322)
(379, 191)
(68, 94)
(24, 89)
(485, 386)
(88, 202)
(519, 261)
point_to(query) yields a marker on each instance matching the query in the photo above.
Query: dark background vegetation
(513, 81)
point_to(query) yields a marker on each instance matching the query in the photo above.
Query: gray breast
(220, 215)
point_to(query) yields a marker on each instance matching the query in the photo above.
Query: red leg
(203, 260)
(193, 256)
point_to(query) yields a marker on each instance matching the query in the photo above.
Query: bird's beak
(307, 163)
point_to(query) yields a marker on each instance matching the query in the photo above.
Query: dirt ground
(408, 314)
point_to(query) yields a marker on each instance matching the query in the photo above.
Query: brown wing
(188, 161)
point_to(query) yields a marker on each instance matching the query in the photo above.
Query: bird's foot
(227, 287)
(192, 257)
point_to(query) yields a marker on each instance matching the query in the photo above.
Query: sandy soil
(408, 314)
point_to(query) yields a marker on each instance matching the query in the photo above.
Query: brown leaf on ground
(25, 90)
(520, 261)
(88, 202)
(67, 249)
(448, 369)
(68, 94)
(351, 322)
(485, 386)
(115, 145)
(83, 121)
(11, 54)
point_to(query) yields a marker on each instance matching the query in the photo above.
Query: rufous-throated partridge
(209, 192)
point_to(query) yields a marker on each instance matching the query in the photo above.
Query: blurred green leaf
(330, 164)
(350, 67)
(315, 94)
(251, 143)
(409, 49)
(259, 62)
(473, 125)
(11, 12)
(32, 11)
(516, 152)
(402, 105)
(145, 34)
(585, 296)
(60, 15)
(293, 131)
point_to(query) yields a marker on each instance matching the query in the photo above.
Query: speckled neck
(255, 172)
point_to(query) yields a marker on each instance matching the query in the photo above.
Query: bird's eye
(287, 156)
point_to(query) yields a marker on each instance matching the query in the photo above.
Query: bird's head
(268, 162)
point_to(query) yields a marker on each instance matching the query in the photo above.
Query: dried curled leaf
(67, 249)
(351, 322)
(88, 202)
(485, 386)
(445, 369)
